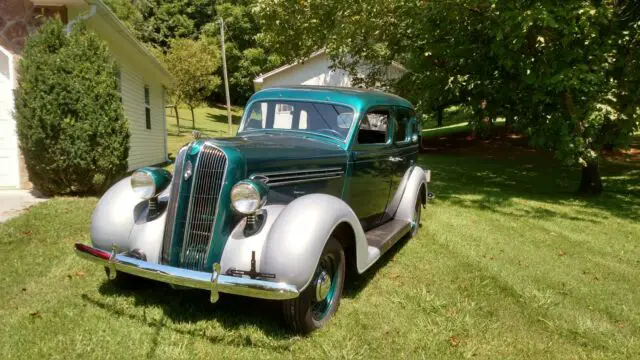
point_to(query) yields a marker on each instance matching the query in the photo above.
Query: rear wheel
(321, 299)
(415, 219)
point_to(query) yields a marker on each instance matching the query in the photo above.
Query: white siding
(314, 71)
(146, 146)
(317, 71)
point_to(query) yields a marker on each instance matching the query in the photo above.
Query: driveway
(13, 202)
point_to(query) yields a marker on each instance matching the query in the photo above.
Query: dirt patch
(631, 155)
(510, 145)
(498, 144)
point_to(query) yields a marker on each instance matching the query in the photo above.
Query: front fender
(292, 239)
(120, 218)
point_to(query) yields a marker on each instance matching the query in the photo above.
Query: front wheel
(321, 299)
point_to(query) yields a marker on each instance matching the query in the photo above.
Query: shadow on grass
(188, 306)
(491, 179)
(355, 282)
(222, 118)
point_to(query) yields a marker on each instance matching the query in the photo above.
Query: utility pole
(224, 69)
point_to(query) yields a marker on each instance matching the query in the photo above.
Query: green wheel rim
(330, 265)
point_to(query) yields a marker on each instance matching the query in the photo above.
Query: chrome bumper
(214, 281)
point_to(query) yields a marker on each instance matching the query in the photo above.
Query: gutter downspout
(92, 12)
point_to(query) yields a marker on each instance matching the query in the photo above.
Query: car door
(402, 156)
(370, 167)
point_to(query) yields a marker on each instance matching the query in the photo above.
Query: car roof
(358, 98)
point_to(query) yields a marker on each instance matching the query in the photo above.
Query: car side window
(373, 127)
(401, 131)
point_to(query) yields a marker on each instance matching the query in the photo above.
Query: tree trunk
(193, 119)
(590, 181)
(439, 114)
(175, 108)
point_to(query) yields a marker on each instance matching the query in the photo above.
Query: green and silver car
(317, 180)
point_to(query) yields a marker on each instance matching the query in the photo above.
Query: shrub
(70, 121)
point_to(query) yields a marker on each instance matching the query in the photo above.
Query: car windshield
(328, 119)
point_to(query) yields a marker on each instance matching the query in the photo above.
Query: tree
(193, 65)
(564, 73)
(165, 20)
(70, 121)
(246, 57)
(158, 22)
(128, 13)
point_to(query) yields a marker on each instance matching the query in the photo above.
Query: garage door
(9, 170)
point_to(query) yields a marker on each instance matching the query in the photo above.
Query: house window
(147, 107)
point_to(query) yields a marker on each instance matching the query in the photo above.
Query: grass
(509, 264)
(463, 127)
(210, 121)
(447, 130)
(451, 116)
(455, 121)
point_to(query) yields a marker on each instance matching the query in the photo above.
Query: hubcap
(323, 285)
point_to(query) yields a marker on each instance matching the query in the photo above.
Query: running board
(386, 235)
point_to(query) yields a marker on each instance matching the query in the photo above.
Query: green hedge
(70, 121)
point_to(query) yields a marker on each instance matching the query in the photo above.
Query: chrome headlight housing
(149, 182)
(248, 196)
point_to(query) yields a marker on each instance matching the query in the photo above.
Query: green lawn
(448, 130)
(509, 263)
(452, 115)
(210, 121)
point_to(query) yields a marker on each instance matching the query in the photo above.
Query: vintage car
(316, 180)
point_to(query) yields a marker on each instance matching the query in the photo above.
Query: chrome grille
(173, 206)
(208, 177)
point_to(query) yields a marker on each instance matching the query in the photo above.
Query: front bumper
(214, 281)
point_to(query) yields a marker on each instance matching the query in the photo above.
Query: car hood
(266, 152)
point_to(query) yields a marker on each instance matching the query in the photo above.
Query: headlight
(248, 196)
(149, 182)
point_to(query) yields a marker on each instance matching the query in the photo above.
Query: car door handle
(395, 159)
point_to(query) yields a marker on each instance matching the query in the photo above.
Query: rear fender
(416, 181)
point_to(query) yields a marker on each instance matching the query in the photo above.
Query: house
(316, 70)
(142, 79)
